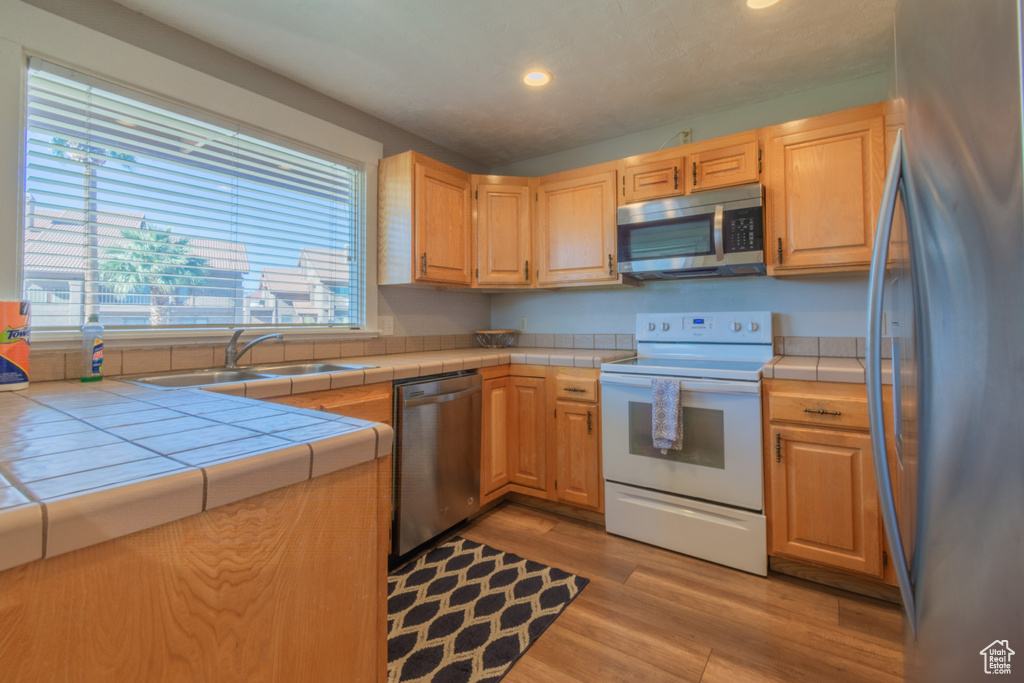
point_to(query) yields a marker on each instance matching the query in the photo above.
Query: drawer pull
(575, 389)
(778, 447)
(822, 412)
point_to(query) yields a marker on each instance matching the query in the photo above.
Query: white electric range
(706, 498)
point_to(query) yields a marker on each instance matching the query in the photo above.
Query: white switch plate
(386, 323)
(522, 325)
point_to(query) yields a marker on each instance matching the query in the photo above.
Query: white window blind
(154, 217)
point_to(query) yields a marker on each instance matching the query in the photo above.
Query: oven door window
(678, 238)
(703, 436)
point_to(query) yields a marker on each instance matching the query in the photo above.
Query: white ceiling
(450, 70)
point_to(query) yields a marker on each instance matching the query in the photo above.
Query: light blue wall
(769, 113)
(815, 306)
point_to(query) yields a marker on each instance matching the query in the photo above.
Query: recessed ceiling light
(760, 4)
(537, 78)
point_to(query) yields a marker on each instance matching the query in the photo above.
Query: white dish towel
(666, 414)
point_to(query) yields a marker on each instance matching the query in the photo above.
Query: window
(152, 216)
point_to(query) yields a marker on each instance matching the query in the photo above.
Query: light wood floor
(651, 615)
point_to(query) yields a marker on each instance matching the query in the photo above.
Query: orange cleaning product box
(13, 345)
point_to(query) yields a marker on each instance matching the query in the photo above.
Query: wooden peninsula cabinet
(541, 435)
(424, 231)
(365, 402)
(824, 189)
(821, 496)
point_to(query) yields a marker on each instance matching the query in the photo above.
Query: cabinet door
(527, 442)
(503, 234)
(442, 232)
(826, 177)
(577, 454)
(366, 402)
(495, 407)
(576, 228)
(724, 167)
(824, 504)
(653, 179)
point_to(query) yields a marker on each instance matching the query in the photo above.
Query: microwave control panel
(749, 327)
(743, 230)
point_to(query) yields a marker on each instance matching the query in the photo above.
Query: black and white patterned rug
(465, 612)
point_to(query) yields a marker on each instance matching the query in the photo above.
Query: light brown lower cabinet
(494, 435)
(527, 432)
(821, 496)
(538, 443)
(365, 402)
(577, 454)
(824, 505)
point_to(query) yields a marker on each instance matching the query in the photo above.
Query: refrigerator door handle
(873, 378)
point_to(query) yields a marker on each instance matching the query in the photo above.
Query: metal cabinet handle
(894, 185)
(819, 411)
(611, 267)
(575, 389)
(780, 251)
(778, 446)
(695, 174)
(526, 271)
(675, 177)
(423, 262)
(589, 426)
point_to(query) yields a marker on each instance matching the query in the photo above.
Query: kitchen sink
(202, 378)
(197, 379)
(309, 368)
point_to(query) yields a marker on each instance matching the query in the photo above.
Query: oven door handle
(716, 386)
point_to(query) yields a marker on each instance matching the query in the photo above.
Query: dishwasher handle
(439, 398)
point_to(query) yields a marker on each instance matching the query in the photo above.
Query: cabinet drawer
(576, 389)
(850, 412)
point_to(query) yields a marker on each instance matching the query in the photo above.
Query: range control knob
(737, 327)
(651, 327)
(754, 327)
(666, 327)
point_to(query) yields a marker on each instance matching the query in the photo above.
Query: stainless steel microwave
(710, 234)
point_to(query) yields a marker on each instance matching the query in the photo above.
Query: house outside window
(157, 217)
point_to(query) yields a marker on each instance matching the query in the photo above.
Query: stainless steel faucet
(231, 356)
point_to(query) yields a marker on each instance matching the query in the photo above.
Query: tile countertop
(823, 369)
(84, 463)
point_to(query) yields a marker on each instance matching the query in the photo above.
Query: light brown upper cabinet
(825, 184)
(424, 227)
(723, 162)
(504, 237)
(708, 165)
(653, 178)
(576, 227)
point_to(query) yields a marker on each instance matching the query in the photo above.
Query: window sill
(46, 340)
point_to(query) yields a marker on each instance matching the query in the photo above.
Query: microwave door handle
(719, 249)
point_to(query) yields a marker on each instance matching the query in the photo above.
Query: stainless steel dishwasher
(437, 456)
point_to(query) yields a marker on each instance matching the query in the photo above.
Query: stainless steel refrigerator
(947, 286)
